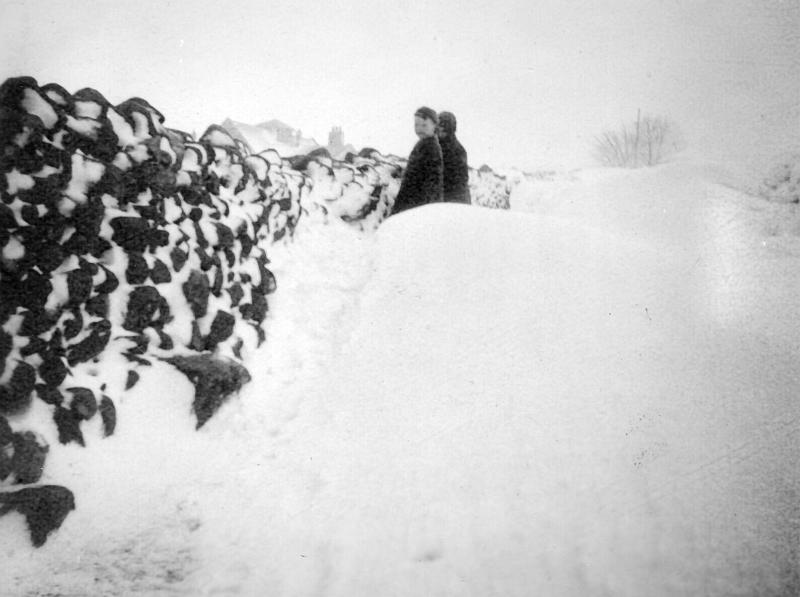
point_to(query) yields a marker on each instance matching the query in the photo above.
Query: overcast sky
(531, 82)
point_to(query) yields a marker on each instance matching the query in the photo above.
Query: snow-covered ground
(594, 393)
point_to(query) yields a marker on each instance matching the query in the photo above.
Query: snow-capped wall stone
(489, 189)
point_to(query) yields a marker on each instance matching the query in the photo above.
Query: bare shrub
(782, 183)
(646, 142)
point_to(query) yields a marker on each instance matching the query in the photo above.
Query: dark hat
(429, 113)
(447, 122)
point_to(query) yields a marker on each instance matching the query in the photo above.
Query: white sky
(531, 82)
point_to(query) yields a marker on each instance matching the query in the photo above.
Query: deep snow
(592, 394)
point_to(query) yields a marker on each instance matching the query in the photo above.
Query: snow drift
(477, 402)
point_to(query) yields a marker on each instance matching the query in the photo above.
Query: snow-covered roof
(275, 124)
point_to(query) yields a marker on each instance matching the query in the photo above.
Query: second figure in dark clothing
(455, 182)
(422, 179)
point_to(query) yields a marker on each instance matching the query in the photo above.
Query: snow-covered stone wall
(124, 241)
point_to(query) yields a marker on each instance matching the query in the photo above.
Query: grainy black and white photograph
(444, 299)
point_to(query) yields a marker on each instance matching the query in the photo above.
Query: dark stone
(178, 258)
(7, 219)
(268, 284)
(87, 219)
(131, 380)
(237, 348)
(77, 244)
(73, 327)
(197, 341)
(29, 214)
(6, 439)
(192, 195)
(52, 370)
(34, 346)
(92, 345)
(215, 380)
(68, 425)
(131, 233)
(262, 335)
(196, 290)
(202, 242)
(6, 344)
(44, 508)
(137, 271)
(225, 235)
(101, 246)
(221, 329)
(112, 182)
(143, 304)
(79, 286)
(139, 344)
(216, 287)
(135, 359)
(15, 395)
(88, 266)
(247, 244)
(55, 344)
(98, 306)
(230, 257)
(165, 342)
(160, 273)
(108, 413)
(105, 146)
(49, 395)
(5, 461)
(246, 311)
(34, 290)
(6, 433)
(148, 212)
(260, 306)
(83, 403)
(36, 322)
(49, 256)
(206, 263)
(212, 183)
(108, 285)
(28, 459)
(236, 293)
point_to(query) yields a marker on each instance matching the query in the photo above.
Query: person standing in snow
(455, 182)
(422, 180)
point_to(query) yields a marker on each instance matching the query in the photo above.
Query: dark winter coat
(455, 181)
(422, 180)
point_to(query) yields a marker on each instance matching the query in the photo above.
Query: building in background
(285, 139)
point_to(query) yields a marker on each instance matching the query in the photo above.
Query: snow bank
(530, 405)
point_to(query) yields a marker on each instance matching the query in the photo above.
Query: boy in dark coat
(456, 171)
(422, 180)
